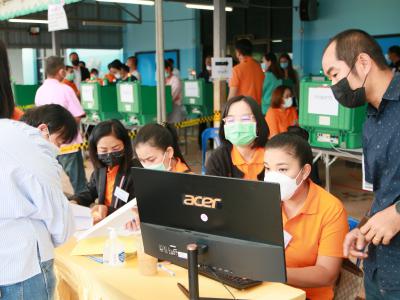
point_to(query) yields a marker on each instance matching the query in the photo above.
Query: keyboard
(227, 278)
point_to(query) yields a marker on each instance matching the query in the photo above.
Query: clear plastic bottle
(114, 252)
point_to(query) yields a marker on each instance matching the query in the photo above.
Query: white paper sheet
(87, 93)
(322, 102)
(82, 216)
(126, 92)
(57, 17)
(116, 220)
(192, 89)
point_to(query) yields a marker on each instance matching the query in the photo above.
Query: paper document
(93, 246)
(116, 220)
(57, 18)
(322, 102)
(82, 215)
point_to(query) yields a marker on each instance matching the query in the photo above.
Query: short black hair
(134, 58)
(262, 127)
(73, 53)
(93, 70)
(350, 43)
(293, 144)
(171, 61)
(116, 64)
(125, 68)
(168, 64)
(160, 136)
(116, 129)
(53, 65)
(244, 46)
(83, 63)
(394, 49)
(7, 104)
(57, 118)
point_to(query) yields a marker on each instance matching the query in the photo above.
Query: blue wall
(374, 16)
(181, 32)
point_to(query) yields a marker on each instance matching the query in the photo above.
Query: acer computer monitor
(239, 221)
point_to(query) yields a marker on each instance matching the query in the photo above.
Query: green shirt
(270, 84)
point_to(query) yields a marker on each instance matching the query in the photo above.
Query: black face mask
(75, 62)
(111, 159)
(348, 97)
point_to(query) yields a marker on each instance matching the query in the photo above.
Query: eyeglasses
(241, 119)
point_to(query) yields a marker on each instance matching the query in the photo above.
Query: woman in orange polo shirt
(281, 113)
(243, 134)
(314, 221)
(157, 148)
(111, 182)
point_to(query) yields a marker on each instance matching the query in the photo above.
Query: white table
(329, 156)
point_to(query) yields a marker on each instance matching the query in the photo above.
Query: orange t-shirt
(110, 77)
(72, 85)
(110, 182)
(180, 167)
(17, 114)
(318, 229)
(279, 119)
(250, 169)
(248, 77)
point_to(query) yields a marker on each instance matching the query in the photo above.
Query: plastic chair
(352, 223)
(209, 133)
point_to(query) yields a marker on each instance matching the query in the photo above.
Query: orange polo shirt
(248, 77)
(110, 182)
(180, 167)
(318, 229)
(279, 119)
(17, 114)
(71, 85)
(250, 169)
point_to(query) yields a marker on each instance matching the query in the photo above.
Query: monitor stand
(193, 251)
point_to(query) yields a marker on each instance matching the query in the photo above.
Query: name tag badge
(121, 194)
(287, 237)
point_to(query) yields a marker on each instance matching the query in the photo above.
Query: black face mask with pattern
(111, 159)
(348, 97)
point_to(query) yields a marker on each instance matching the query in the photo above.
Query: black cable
(220, 281)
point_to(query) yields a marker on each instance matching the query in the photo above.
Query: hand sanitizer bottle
(114, 252)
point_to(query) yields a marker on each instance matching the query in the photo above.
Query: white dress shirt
(34, 214)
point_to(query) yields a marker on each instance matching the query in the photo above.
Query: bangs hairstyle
(116, 129)
(294, 145)
(277, 96)
(161, 137)
(262, 127)
(57, 118)
(350, 43)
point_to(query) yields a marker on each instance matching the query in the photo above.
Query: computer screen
(239, 221)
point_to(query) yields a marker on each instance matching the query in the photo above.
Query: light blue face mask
(264, 67)
(284, 65)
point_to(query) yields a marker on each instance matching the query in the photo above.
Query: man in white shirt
(35, 216)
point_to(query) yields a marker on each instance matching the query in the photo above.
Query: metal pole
(161, 105)
(54, 44)
(219, 32)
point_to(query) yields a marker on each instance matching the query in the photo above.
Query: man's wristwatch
(397, 206)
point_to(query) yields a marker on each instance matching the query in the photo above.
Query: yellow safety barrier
(132, 134)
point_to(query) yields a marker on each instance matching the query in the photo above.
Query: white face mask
(118, 75)
(209, 68)
(288, 102)
(287, 184)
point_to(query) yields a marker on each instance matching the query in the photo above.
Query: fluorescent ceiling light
(207, 7)
(277, 41)
(141, 2)
(32, 21)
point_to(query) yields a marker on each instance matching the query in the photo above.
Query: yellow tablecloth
(81, 278)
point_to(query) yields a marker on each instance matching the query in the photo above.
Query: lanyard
(120, 186)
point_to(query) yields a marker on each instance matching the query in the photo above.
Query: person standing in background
(132, 63)
(206, 73)
(54, 92)
(178, 113)
(69, 80)
(247, 77)
(290, 78)
(273, 79)
(81, 73)
(175, 70)
(394, 56)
